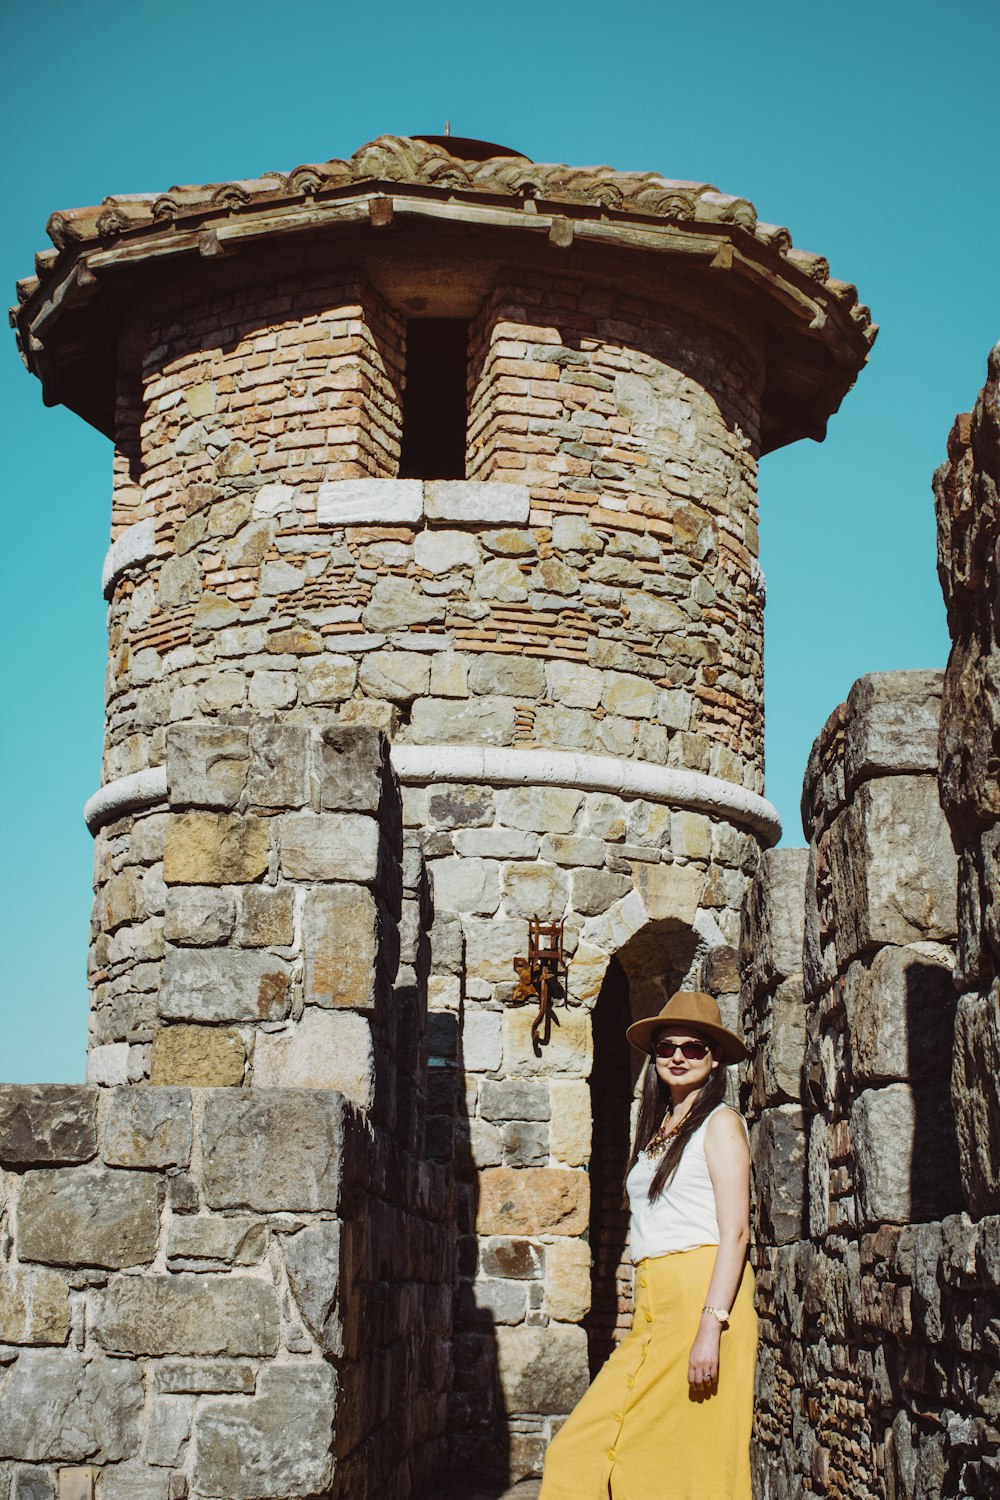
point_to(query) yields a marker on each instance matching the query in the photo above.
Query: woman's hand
(703, 1365)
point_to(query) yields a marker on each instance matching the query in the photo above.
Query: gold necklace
(658, 1142)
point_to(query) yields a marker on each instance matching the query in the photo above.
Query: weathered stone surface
(339, 940)
(774, 914)
(513, 676)
(328, 680)
(533, 1200)
(511, 1099)
(67, 1408)
(906, 1154)
(170, 1420)
(593, 891)
(334, 846)
(279, 765)
(267, 916)
(147, 1127)
(442, 551)
(397, 603)
(486, 1303)
(901, 1011)
(893, 866)
(198, 916)
(453, 805)
(204, 848)
(235, 1239)
(324, 1050)
(34, 1306)
(278, 1444)
(782, 1058)
(399, 676)
(274, 1150)
(525, 1143)
(571, 1127)
(535, 889)
(669, 892)
(976, 1095)
(779, 1153)
(482, 1047)
(893, 722)
(542, 1369)
(47, 1124)
(567, 1280)
(516, 1259)
(216, 1376)
(187, 1315)
(90, 1216)
(133, 1481)
(539, 809)
(568, 1050)
(312, 1259)
(197, 1057)
(207, 764)
(491, 947)
(223, 984)
(466, 885)
(469, 501)
(369, 502)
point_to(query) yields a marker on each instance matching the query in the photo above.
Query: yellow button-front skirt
(640, 1432)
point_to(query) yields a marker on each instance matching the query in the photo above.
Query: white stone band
(421, 765)
(135, 544)
(135, 793)
(494, 766)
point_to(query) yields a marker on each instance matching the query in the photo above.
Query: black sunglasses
(693, 1051)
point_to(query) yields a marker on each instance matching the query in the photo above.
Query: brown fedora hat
(689, 1008)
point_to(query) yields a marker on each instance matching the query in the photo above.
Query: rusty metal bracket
(540, 976)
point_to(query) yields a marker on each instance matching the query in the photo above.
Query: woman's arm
(728, 1158)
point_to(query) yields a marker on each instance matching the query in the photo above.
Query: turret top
(820, 333)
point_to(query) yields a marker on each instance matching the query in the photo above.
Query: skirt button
(612, 1454)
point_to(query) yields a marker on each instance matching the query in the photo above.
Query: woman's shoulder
(726, 1123)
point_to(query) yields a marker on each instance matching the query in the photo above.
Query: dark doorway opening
(435, 405)
(611, 1100)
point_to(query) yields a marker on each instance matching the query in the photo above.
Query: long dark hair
(654, 1103)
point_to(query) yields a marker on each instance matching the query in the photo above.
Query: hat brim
(641, 1033)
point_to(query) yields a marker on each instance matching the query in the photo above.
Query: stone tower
(434, 606)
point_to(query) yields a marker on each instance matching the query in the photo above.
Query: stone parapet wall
(967, 496)
(872, 1281)
(189, 1294)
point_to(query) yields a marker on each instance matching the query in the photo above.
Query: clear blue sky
(870, 130)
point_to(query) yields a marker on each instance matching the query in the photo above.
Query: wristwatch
(718, 1313)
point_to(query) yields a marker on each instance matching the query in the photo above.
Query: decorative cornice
(421, 765)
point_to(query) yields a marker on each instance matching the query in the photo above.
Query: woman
(669, 1415)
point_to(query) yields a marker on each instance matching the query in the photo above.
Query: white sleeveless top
(683, 1216)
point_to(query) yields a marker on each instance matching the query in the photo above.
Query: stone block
(779, 1152)
(352, 764)
(535, 889)
(976, 1095)
(542, 809)
(340, 943)
(197, 1316)
(147, 1127)
(476, 502)
(441, 552)
(34, 1306)
(533, 1201)
(333, 846)
(571, 1128)
(67, 1408)
(593, 891)
(47, 1124)
(198, 916)
(280, 1443)
(782, 1058)
(121, 900)
(894, 870)
(573, 850)
(481, 1039)
(88, 1216)
(449, 675)
(513, 1099)
(213, 1377)
(205, 848)
(569, 1050)
(312, 1260)
(267, 917)
(567, 1280)
(328, 680)
(496, 843)
(197, 1057)
(573, 686)
(370, 502)
(510, 676)
(485, 1303)
(669, 893)
(466, 721)
(398, 603)
(324, 1050)
(466, 885)
(492, 946)
(453, 805)
(542, 1370)
(279, 765)
(892, 725)
(906, 1154)
(170, 1420)
(223, 984)
(233, 1239)
(133, 1481)
(207, 764)
(273, 1150)
(525, 1143)
(399, 676)
(107, 1066)
(517, 1260)
(901, 1014)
